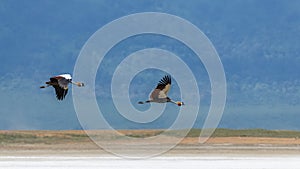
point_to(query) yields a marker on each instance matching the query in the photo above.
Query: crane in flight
(60, 83)
(159, 94)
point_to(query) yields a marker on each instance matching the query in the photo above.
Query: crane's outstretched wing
(63, 83)
(164, 85)
(60, 92)
(61, 89)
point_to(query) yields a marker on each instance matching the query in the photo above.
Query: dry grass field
(223, 141)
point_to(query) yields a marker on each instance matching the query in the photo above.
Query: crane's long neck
(172, 101)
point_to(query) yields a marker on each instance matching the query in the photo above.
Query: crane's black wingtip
(165, 80)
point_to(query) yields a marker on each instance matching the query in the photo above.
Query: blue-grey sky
(257, 41)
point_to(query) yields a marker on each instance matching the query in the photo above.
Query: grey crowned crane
(60, 84)
(159, 94)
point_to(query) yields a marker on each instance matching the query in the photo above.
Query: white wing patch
(162, 95)
(66, 76)
(166, 89)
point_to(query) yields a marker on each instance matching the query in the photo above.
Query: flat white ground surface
(170, 162)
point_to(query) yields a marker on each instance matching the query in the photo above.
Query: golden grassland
(223, 140)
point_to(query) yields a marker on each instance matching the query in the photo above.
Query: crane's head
(179, 103)
(79, 84)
